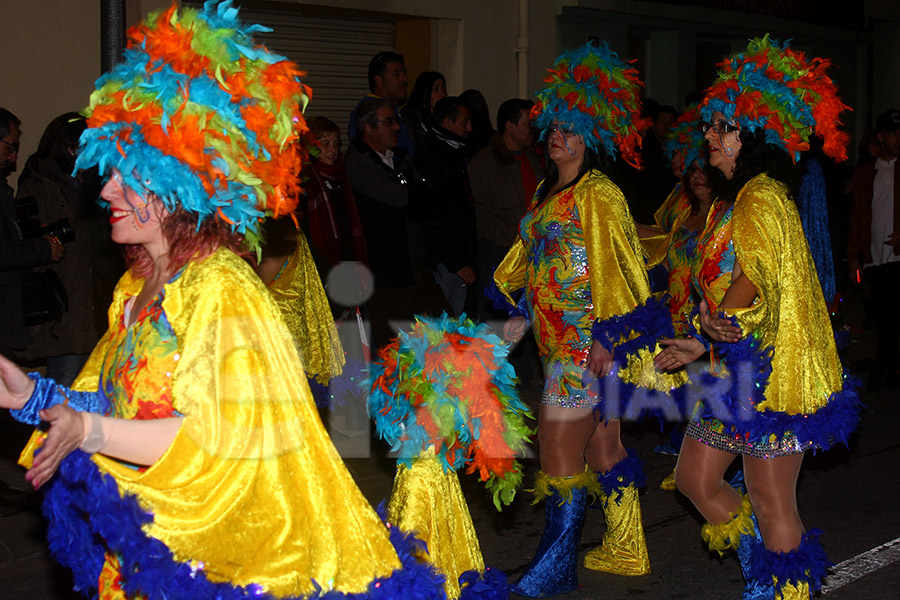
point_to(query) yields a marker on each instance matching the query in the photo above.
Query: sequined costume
(579, 240)
(251, 492)
(802, 402)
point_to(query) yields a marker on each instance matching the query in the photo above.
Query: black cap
(889, 120)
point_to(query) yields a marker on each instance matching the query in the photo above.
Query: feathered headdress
(447, 384)
(202, 117)
(685, 144)
(773, 87)
(597, 95)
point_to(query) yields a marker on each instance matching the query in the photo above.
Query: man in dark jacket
(15, 253)
(504, 177)
(381, 175)
(446, 204)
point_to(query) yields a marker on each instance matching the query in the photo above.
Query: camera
(27, 217)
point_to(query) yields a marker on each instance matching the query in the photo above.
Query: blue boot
(554, 568)
(754, 589)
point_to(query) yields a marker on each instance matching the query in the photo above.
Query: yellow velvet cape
(617, 270)
(790, 313)
(251, 486)
(299, 294)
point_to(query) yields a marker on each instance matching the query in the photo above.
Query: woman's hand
(678, 352)
(600, 360)
(718, 327)
(514, 329)
(67, 431)
(15, 386)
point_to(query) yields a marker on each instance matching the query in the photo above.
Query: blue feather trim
(490, 585)
(812, 205)
(319, 393)
(807, 563)
(86, 516)
(501, 303)
(47, 393)
(733, 400)
(628, 471)
(651, 321)
(350, 386)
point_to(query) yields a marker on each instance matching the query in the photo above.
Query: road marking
(861, 565)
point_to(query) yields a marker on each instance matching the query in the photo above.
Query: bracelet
(93, 441)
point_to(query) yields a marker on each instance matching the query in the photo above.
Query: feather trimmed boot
(554, 569)
(624, 547)
(795, 574)
(740, 533)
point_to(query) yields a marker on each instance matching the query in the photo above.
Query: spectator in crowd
(428, 89)
(873, 245)
(655, 180)
(16, 253)
(380, 175)
(387, 81)
(869, 147)
(482, 130)
(504, 177)
(331, 219)
(47, 179)
(449, 212)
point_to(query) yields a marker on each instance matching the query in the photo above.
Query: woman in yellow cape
(188, 460)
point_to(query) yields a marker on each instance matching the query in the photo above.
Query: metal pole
(112, 33)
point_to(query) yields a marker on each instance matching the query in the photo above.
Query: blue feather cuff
(500, 302)
(87, 516)
(47, 393)
(628, 471)
(650, 322)
(806, 563)
(733, 401)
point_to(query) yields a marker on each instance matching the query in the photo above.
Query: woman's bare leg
(564, 434)
(699, 475)
(605, 449)
(772, 486)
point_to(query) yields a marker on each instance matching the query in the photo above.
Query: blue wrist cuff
(48, 393)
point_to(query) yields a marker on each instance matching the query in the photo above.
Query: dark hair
(511, 111)
(478, 107)
(594, 160)
(319, 126)
(378, 65)
(59, 140)
(686, 184)
(420, 97)
(367, 114)
(754, 158)
(665, 108)
(7, 120)
(446, 108)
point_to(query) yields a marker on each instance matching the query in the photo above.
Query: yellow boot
(624, 548)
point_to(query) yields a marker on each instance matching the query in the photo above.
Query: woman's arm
(741, 293)
(138, 442)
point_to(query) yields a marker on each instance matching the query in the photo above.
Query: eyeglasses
(390, 121)
(15, 146)
(563, 130)
(720, 127)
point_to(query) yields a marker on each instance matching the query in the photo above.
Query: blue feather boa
(87, 516)
(733, 400)
(628, 471)
(807, 562)
(651, 321)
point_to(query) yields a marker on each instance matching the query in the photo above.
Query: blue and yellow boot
(740, 533)
(624, 547)
(554, 568)
(795, 574)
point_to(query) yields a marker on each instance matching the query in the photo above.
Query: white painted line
(861, 565)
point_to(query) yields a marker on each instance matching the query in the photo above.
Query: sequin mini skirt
(715, 434)
(553, 399)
